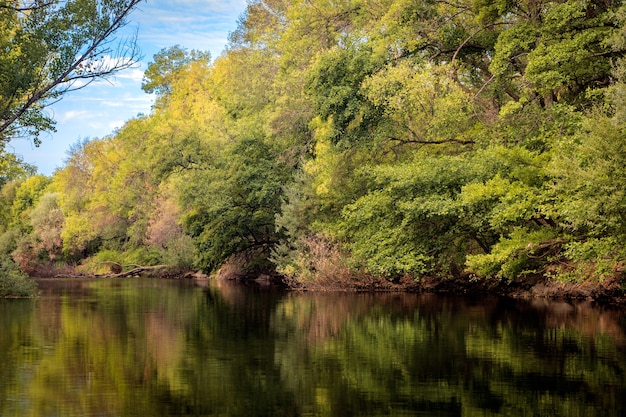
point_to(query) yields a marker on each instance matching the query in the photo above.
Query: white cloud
(112, 103)
(74, 84)
(116, 124)
(142, 103)
(73, 115)
(194, 24)
(134, 74)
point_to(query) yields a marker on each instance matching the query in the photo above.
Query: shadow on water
(149, 347)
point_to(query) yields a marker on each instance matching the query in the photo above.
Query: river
(151, 347)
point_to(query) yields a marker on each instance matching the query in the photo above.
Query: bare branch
(470, 37)
(26, 8)
(432, 142)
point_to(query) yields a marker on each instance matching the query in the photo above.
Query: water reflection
(138, 347)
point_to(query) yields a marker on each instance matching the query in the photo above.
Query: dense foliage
(360, 137)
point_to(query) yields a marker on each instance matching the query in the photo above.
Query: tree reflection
(157, 347)
(409, 354)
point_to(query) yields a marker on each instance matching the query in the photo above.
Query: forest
(335, 143)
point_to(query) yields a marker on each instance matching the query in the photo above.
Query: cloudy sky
(97, 110)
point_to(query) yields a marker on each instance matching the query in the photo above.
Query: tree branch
(26, 8)
(66, 76)
(433, 142)
(470, 37)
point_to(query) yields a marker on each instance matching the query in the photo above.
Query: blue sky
(97, 110)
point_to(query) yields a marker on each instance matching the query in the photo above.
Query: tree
(26, 197)
(557, 51)
(13, 167)
(50, 48)
(404, 137)
(169, 64)
(233, 205)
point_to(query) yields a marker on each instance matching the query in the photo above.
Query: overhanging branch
(43, 90)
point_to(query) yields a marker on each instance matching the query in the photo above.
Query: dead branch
(133, 272)
(136, 271)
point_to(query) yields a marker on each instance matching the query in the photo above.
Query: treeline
(335, 141)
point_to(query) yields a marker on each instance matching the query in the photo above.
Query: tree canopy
(358, 138)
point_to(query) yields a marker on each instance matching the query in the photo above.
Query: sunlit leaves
(408, 221)
(169, 65)
(422, 104)
(590, 194)
(26, 197)
(520, 253)
(560, 51)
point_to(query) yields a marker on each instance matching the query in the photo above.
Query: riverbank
(608, 291)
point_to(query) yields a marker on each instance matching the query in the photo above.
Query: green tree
(334, 85)
(232, 205)
(168, 65)
(13, 167)
(26, 198)
(590, 196)
(13, 170)
(556, 51)
(14, 282)
(388, 136)
(51, 48)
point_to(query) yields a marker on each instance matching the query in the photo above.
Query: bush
(179, 253)
(592, 259)
(8, 241)
(13, 282)
(315, 264)
(109, 261)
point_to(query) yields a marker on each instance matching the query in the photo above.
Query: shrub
(13, 282)
(316, 264)
(109, 261)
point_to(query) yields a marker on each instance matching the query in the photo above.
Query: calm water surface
(140, 347)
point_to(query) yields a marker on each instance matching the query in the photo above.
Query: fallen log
(132, 272)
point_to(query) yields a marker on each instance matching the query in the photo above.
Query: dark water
(168, 348)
